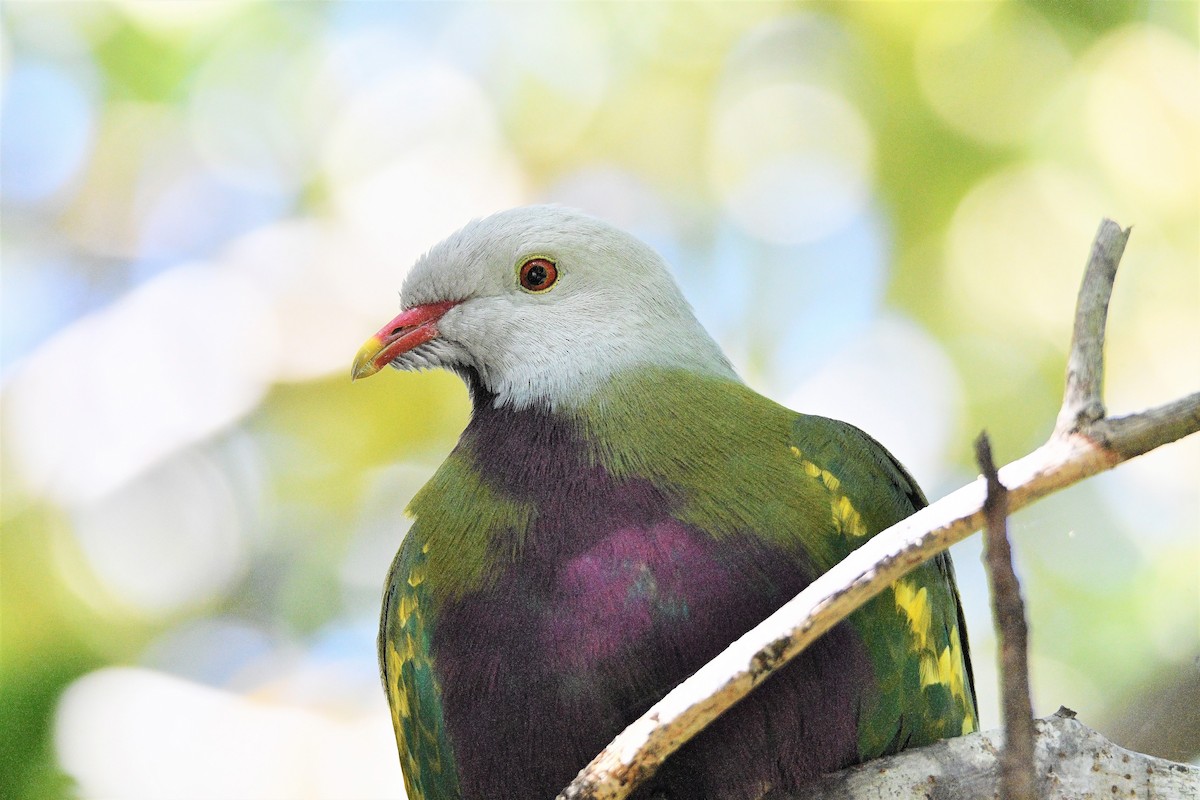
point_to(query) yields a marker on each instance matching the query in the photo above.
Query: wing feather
(925, 686)
(409, 679)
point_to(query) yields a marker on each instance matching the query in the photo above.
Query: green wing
(405, 663)
(914, 631)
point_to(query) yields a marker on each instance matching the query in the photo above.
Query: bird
(620, 507)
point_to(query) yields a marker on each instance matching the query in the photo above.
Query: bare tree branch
(1073, 763)
(1084, 443)
(1136, 434)
(1016, 760)
(1082, 402)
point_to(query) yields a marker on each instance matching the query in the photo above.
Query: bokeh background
(881, 211)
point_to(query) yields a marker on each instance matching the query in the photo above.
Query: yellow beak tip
(362, 370)
(364, 361)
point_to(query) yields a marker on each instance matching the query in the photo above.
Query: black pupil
(536, 275)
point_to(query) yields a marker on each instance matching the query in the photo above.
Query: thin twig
(1082, 403)
(1136, 434)
(1017, 767)
(1079, 448)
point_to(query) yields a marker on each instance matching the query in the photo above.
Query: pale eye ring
(537, 274)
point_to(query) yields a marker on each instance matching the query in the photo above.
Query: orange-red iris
(538, 274)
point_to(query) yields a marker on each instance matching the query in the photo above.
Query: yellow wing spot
(417, 575)
(410, 648)
(936, 670)
(946, 668)
(958, 684)
(914, 603)
(846, 518)
(407, 607)
(397, 695)
(832, 483)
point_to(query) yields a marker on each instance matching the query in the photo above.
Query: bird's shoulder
(740, 461)
(848, 461)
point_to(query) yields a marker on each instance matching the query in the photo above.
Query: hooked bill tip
(365, 361)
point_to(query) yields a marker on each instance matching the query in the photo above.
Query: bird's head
(541, 305)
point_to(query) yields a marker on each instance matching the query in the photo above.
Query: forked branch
(1084, 443)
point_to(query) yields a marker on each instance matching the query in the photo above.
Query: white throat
(578, 351)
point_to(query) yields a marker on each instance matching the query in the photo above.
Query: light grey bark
(1073, 761)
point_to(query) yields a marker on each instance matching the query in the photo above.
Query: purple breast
(614, 594)
(610, 603)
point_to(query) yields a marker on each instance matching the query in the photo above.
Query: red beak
(411, 328)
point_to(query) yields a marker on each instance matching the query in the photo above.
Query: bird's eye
(538, 274)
